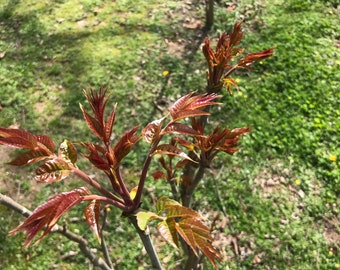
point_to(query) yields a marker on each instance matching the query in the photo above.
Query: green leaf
(164, 202)
(143, 217)
(68, 152)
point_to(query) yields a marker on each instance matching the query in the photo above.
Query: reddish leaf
(12, 132)
(17, 138)
(98, 102)
(222, 140)
(29, 157)
(236, 35)
(187, 106)
(219, 61)
(92, 213)
(152, 130)
(168, 149)
(52, 171)
(252, 57)
(190, 113)
(175, 211)
(181, 129)
(48, 214)
(47, 141)
(95, 126)
(109, 124)
(238, 131)
(158, 175)
(68, 152)
(125, 144)
(180, 164)
(187, 144)
(17, 142)
(188, 236)
(197, 236)
(95, 158)
(101, 128)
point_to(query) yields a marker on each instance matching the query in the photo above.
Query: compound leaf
(46, 215)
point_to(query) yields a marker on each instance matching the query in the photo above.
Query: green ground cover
(278, 197)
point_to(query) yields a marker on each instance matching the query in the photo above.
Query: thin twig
(103, 243)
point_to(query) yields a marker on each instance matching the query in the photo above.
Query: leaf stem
(95, 184)
(145, 169)
(119, 205)
(125, 192)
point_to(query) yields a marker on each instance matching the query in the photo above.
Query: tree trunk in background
(209, 12)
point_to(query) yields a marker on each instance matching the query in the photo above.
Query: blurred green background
(278, 198)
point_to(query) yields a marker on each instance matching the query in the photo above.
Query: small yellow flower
(261, 62)
(332, 158)
(239, 93)
(330, 253)
(337, 265)
(165, 72)
(237, 80)
(297, 182)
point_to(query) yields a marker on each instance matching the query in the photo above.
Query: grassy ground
(278, 198)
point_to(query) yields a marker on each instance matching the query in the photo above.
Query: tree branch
(145, 237)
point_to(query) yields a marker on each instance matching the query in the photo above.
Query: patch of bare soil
(16, 182)
(332, 230)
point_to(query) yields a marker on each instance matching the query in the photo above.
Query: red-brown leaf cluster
(46, 215)
(221, 60)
